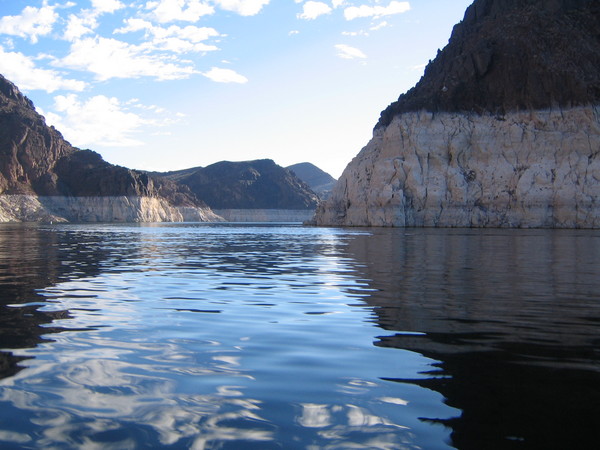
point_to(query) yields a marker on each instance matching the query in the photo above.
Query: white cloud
(107, 6)
(379, 26)
(111, 58)
(354, 12)
(355, 33)
(242, 7)
(22, 71)
(347, 52)
(86, 21)
(100, 120)
(311, 10)
(173, 38)
(133, 25)
(31, 23)
(78, 26)
(185, 10)
(225, 76)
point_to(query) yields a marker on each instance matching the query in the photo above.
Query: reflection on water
(203, 336)
(513, 317)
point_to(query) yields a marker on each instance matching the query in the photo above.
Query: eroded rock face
(525, 169)
(43, 178)
(30, 208)
(502, 130)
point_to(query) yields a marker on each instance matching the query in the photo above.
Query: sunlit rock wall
(523, 169)
(28, 208)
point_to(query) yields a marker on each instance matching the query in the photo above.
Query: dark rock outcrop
(509, 55)
(259, 184)
(29, 149)
(318, 180)
(37, 163)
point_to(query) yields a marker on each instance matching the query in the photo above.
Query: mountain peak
(10, 91)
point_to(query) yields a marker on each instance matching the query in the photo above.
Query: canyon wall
(31, 208)
(43, 178)
(502, 130)
(523, 169)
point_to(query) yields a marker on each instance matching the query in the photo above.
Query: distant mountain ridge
(318, 180)
(258, 184)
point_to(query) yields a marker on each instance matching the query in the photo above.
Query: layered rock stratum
(44, 178)
(502, 130)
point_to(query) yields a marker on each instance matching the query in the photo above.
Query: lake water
(282, 336)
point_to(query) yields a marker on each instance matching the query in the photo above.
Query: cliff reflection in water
(513, 316)
(33, 258)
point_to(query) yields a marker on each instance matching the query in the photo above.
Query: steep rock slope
(259, 184)
(502, 130)
(318, 180)
(43, 177)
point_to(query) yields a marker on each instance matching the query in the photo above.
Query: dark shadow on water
(33, 258)
(513, 318)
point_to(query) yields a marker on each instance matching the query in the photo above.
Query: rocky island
(502, 130)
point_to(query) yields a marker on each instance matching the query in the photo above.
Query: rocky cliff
(259, 184)
(43, 177)
(503, 129)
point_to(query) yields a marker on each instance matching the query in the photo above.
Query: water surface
(257, 336)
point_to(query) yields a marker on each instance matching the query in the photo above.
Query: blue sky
(171, 84)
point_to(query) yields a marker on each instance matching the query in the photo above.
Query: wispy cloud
(110, 58)
(107, 6)
(173, 38)
(165, 11)
(242, 7)
(348, 52)
(395, 7)
(99, 120)
(79, 25)
(86, 21)
(311, 10)
(225, 76)
(31, 23)
(22, 70)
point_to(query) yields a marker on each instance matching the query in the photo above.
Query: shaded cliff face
(318, 180)
(29, 149)
(259, 184)
(511, 55)
(503, 130)
(37, 164)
